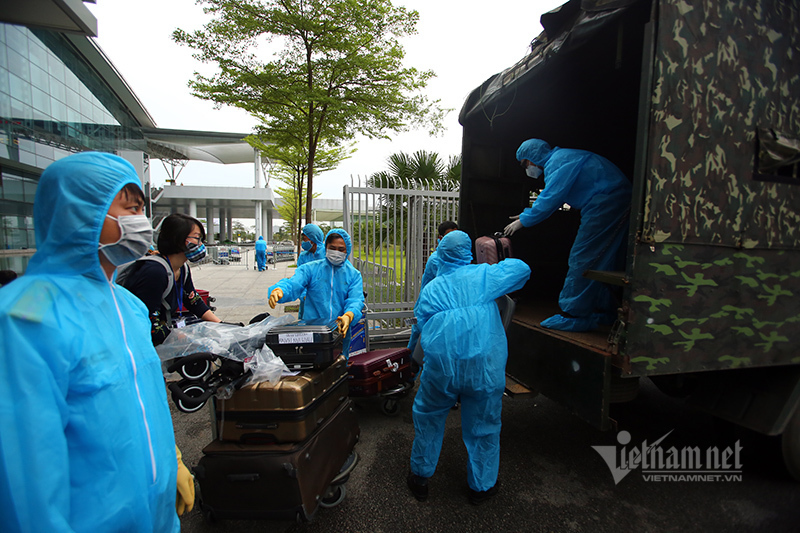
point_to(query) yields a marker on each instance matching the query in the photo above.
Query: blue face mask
(306, 245)
(195, 252)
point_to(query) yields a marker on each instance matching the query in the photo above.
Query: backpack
(125, 274)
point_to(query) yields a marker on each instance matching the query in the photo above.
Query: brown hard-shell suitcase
(242, 481)
(280, 425)
(492, 249)
(306, 344)
(291, 392)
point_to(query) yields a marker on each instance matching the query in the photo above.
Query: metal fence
(394, 231)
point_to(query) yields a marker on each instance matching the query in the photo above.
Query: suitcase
(492, 249)
(378, 371)
(254, 425)
(361, 388)
(306, 344)
(279, 480)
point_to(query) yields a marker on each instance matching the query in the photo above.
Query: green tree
(336, 69)
(422, 169)
(291, 163)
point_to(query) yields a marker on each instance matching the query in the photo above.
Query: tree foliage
(422, 169)
(334, 69)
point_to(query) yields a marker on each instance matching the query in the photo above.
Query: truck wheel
(790, 442)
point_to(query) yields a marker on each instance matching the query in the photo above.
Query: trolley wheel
(790, 444)
(193, 391)
(195, 369)
(208, 514)
(333, 496)
(390, 407)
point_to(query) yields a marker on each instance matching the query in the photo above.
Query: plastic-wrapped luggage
(306, 344)
(279, 480)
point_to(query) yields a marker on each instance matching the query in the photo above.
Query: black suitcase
(288, 481)
(306, 344)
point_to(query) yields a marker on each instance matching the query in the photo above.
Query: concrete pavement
(552, 478)
(239, 289)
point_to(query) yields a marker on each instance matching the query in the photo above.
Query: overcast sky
(464, 43)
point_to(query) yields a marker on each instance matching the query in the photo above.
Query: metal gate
(394, 231)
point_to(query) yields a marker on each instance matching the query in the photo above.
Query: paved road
(552, 479)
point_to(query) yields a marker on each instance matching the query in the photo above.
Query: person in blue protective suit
(313, 246)
(261, 254)
(602, 194)
(431, 268)
(334, 288)
(87, 442)
(465, 357)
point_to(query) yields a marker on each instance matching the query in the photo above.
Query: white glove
(513, 227)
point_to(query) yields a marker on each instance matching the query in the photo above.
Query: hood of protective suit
(72, 200)
(260, 238)
(314, 234)
(536, 151)
(454, 250)
(343, 234)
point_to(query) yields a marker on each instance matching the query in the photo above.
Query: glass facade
(52, 103)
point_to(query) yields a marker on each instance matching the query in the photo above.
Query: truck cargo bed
(530, 313)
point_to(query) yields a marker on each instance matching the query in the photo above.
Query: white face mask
(136, 235)
(533, 171)
(335, 256)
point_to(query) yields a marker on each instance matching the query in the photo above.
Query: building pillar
(209, 224)
(229, 224)
(193, 208)
(267, 216)
(222, 215)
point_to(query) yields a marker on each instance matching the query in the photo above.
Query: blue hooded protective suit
(465, 358)
(602, 193)
(331, 290)
(431, 269)
(314, 234)
(261, 253)
(87, 442)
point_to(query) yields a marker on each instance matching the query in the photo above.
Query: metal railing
(394, 231)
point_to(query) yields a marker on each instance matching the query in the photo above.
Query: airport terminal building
(60, 94)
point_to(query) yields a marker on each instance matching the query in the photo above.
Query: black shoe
(418, 486)
(478, 497)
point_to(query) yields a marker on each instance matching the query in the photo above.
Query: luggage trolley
(301, 452)
(384, 375)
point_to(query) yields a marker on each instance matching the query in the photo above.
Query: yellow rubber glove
(276, 295)
(184, 500)
(344, 322)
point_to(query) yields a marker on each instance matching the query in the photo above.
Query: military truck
(698, 102)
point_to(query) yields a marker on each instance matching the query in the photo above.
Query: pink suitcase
(492, 249)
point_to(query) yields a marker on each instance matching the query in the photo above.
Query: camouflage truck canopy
(698, 102)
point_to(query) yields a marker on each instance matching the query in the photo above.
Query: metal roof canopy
(59, 15)
(214, 147)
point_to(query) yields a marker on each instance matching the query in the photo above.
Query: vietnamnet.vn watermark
(659, 463)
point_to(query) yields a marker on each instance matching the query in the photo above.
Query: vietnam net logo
(660, 464)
